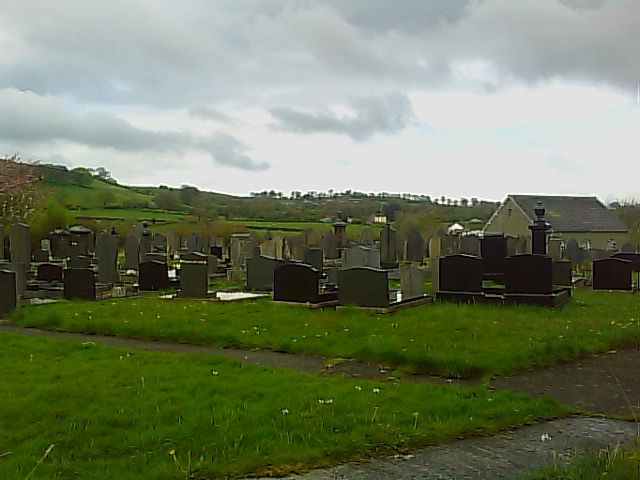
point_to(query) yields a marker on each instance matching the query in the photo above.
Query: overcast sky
(456, 98)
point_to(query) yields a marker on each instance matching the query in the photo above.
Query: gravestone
(260, 272)
(2, 256)
(8, 293)
(416, 247)
(493, 249)
(173, 242)
(107, 257)
(20, 270)
(20, 244)
(194, 275)
(195, 243)
(633, 257)
(573, 253)
(460, 273)
(434, 244)
(411, 282)
(351, 291)
(562, 273)
(216, 251)
(450, 245)
(360, 256)
(297, 282)
(60, 244)
(529, 273)
(470, 244)
(315, 257)
(367, 237)
(82, 261)
(159, 242)
(79, 240)
(79, 283)
(278, 245)
(329, 245)
(268, 248)
(146, 246)
(131, 253)
(554, 249)
(49, 272)
(627, 248)
(40, 255)
(153, 276)
(296, 247)
(612, 274)
(311, 238)
(388, 247)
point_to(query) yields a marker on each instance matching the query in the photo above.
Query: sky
(477, 98)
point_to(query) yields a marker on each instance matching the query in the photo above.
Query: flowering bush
(19, 193)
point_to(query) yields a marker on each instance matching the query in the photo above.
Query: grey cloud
(228, 150)
(385, 115)
(207, 113)
(582, 3)
(28, 119)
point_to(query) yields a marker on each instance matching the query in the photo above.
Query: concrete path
(506, 455)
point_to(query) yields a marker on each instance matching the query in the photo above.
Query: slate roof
(572, 214)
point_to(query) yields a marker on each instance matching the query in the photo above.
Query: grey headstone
(79, 240)
(329, 244)
(416, 247)
(268, 248)
(60, 244)
(8, 293)
(195, 243)
(145, 244)
(627, 248)
(470, 244)
(553, 249)
(367, 237)
(450, 245)
(194, 275)
(107, 256)
(351, 291)
(361, 256)
(562, 273)
(388, 247)
(260, 272)
(131, 253)
(159, 242)
(19, 243)
(411, 282)
(315, 257)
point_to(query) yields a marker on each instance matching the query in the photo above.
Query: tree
(167, 200)
(19, 190)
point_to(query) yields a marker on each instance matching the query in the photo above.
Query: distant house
(582, 218)
(379, 218)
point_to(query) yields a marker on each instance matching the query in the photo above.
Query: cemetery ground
(99, 411)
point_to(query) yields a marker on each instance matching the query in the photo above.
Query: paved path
(505, 455)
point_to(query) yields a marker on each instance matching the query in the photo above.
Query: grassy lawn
(128, 214)
(445, 339)
(79, 410)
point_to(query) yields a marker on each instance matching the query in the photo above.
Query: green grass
(446, 339)
(90, 196)
(619, 463)
(75, 410)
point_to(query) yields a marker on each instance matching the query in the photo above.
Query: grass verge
(440, 338)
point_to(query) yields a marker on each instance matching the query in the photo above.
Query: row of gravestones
(302, 283)
(453, 244)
